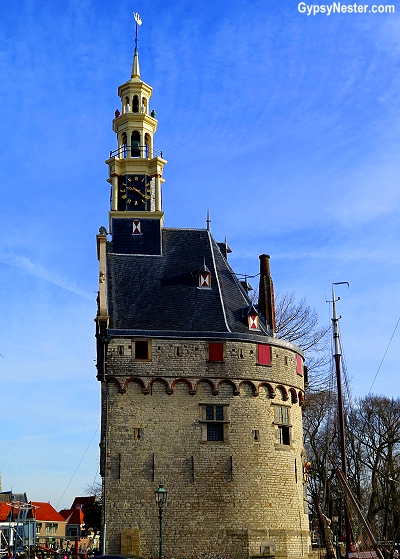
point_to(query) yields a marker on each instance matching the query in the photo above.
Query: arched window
(135, 144)
(126, 108)
(147, 142)
(123, 145)
(144, 104)
(135, 104)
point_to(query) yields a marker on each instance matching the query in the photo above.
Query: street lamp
(161, 499)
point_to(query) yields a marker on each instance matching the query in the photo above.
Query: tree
(376, 425)
(95, 490)
(373, 457)
(298, 323)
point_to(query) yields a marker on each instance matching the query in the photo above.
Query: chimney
(266, 302)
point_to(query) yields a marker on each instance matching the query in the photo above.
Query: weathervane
(138, 22)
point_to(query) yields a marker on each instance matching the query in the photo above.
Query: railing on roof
(144, 152)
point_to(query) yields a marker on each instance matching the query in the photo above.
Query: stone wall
(241, 497)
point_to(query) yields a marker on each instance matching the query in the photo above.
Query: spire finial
(135, 65)
(208, 220)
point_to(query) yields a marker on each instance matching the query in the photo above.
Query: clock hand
(144, 196)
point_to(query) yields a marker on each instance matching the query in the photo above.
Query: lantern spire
(135, 65)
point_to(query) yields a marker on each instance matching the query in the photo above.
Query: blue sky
(285, 125)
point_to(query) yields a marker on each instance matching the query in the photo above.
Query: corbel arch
(120, 387)
(184, 381)
(285, 395)
(293, 395)
(210, 382)
(235, 389)
(270, 388)
(138, 381)
(168, 389)
(250, 383)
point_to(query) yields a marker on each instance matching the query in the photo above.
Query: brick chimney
(266, 302)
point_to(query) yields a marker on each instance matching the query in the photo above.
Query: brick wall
(241, 497)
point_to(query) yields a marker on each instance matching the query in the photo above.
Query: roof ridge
(210, 238)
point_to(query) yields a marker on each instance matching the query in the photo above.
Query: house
(50, 525)
(75, 522)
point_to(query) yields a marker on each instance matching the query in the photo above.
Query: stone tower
(197, 392)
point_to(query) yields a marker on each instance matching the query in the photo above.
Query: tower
(197, 392)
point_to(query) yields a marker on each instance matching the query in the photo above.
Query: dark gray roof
(160, 293)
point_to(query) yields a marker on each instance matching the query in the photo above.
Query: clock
(134, 193)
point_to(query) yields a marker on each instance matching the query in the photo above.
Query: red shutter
(216, 352)
(299, 361)
(264, 354)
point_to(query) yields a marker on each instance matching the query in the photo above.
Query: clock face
(134, 193)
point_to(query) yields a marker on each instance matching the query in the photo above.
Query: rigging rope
(384, 355)
(80, 462)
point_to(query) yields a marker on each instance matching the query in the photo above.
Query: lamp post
(161, 499)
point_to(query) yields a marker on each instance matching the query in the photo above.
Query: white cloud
(41, 272)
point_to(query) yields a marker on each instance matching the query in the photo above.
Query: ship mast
(337, 358)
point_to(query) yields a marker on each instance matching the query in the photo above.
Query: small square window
(264, 354)
(141, 350)
(216, 352)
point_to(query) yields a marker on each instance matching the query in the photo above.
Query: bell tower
(135, 167)
(197, 392)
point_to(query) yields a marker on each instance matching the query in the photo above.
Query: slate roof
(160, 293)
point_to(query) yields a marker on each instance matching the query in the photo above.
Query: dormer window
(204, 277)
(251, 315)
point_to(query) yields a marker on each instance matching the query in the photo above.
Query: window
(38, 527)
(135, 144)
(282, 420)
(216, 352)
(141, 350)
(264, 354)
(215, 431)
(299, 365)
(214, 422)
(51, 528)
